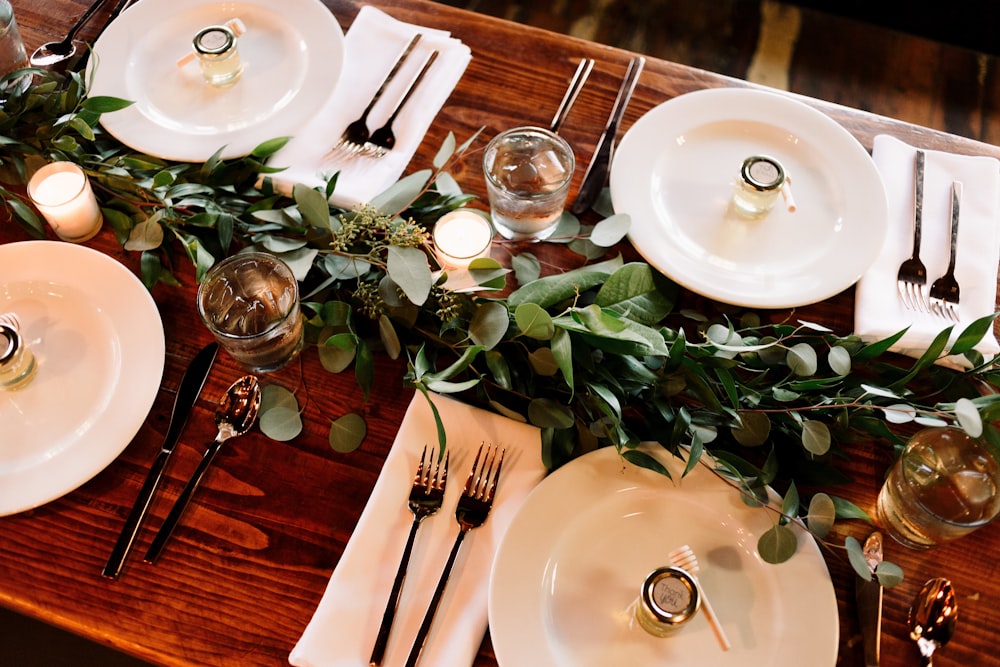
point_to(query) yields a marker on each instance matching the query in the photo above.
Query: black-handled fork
(473, 509)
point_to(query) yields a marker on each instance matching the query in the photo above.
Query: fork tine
(494, 478)
(441, 472)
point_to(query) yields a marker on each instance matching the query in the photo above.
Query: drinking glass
(528, 172)
(12, 53)
(943, 486)
(250, 303)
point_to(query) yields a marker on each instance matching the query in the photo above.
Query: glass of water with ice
(528, 172)
(250, 303)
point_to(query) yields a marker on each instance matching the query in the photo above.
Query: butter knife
(597, 171)
(190, 387)
(868, 595)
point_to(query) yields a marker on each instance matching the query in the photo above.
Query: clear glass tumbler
(944, 485)
(528, 172)
(12, 53)
(250, 303)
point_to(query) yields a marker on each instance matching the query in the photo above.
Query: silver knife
(187, 393)
(600, 163)
(868, 595)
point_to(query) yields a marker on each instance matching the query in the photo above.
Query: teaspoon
(51, 53)
(932, 617)
(235, 415)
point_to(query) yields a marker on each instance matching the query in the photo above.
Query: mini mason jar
(758, 186)
(218, 55)
(668, 599)
(17, 363)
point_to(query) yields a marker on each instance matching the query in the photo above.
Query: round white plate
(675, 171)
(575, 555)
(292, 53)
(98, 340)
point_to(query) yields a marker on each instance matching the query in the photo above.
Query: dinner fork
(426, 496)
(383, 139)
(352, 141)
(684, 558)
(473, 509)
(911, 281)
(944, 291)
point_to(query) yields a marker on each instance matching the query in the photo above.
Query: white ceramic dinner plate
(577, 552)
(98, 340)
(674, 173)
(292, 53)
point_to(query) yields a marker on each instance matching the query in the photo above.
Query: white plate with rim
(98, 340)
(674, 173)
(292, 54)
(575, 555)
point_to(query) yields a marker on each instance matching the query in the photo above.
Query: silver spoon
(235, 415)
(932, 617)
(51, 53)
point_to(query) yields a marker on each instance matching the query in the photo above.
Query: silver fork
(383, 139)
(352, 141)
(426, 496)
(473, 509)
(944, 291)
(911, 281)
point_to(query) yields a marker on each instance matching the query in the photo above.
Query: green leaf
(889, 574)
(489, 324)
(754, 429)
(534, 322)
(347, 433)
(822, 514)
(546, 413)
(972, 334)
(401, 194)
(338, 352)
(777, 544)
(839, 360)
(390, 341)
(279, 418)
(445, 152)
(268, 148)
(611, 230)
(815, 437)
(634, 292)
(551, 290)
(968, 417)
(562, 351)
(526, 267)
(802, 360)
(409, 269)
(312, 205)
(643, 460)
(104, 104)
(147, 235)
(856, 556)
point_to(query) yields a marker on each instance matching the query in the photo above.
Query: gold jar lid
(214, 40)
(10, 342)
(763, 173)
(668, 599)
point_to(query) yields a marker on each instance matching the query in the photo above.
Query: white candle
(62, 194)
(462, 236)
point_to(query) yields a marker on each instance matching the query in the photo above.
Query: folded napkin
(371, 47)
(343, 629)
(878, 311)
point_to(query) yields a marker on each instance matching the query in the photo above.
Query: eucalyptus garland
(597, 356)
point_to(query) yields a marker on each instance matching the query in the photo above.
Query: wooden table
(246, 569)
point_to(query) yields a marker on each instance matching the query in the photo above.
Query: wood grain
(247, 567)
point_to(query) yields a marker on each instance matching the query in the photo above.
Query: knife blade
(868, 595)
(187, 393)
(597, 171)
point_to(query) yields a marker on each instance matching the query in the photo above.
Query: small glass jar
(667, 600)
(758, 186)
(17, 363)
(218, 55)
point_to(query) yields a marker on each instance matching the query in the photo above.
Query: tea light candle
(62, 194)
(462, 236)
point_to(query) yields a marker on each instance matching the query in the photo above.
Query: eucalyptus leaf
(822, 515)
(534, 321)
(147, 235)
(409, 269)
(856, 556)
(279, 417)
(546, 413)
(312, 205)
(401, 194)
(802, 360)
(527, 268)
(347, 433)
(816, 437)
(611, 230)
(889, 574)
(968, 417)
(777, 544)
(489, 324)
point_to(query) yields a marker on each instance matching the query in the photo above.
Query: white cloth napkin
(343, 629)
(371, 47)
(878, 311)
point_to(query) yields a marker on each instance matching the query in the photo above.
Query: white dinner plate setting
(674, 173)
(292, 55)
(98, 340)
(574, 558)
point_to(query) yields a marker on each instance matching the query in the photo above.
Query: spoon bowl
(932, 617)
(51, 53)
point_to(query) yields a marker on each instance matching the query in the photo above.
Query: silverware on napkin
(868, 595)
(187, 393)
(597, 171)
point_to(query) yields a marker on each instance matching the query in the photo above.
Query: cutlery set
(941, 297)
(932, 616)
(235, 415)
(357, 139)
(426, 498)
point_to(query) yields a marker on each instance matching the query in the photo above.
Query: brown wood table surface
(249, 563)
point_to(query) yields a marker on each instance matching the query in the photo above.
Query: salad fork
(425, 499)
(944, 291)
(352, 141)
(473, 509)
(383, 139)
(911, 281)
